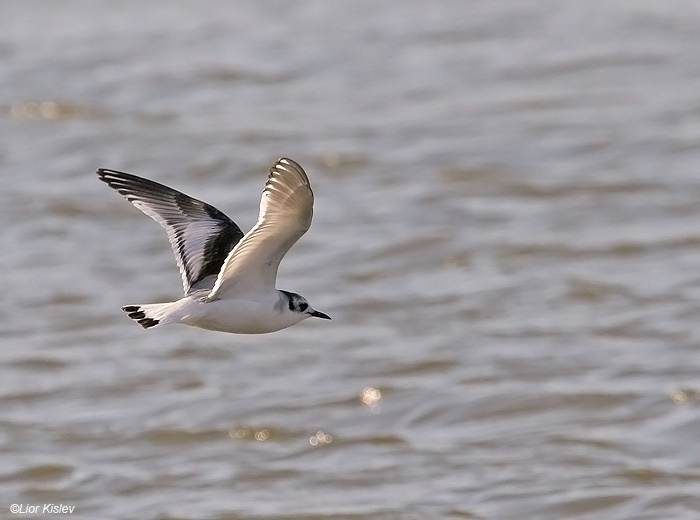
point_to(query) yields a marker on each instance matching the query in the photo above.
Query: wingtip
(286, 161)
(285, 164)
(103, 173)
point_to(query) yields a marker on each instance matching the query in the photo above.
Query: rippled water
(507, 235)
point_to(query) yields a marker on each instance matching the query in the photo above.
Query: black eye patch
(303, 306)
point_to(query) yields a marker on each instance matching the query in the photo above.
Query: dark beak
(317, 314)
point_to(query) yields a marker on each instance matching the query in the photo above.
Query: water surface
(506, 235)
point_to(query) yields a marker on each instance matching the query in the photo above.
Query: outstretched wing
(201, 236)
(286, 209)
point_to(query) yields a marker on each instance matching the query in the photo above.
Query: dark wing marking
(201, 236)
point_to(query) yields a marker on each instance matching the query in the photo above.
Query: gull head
(298, 305)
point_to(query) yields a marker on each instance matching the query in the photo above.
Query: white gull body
(228, 278)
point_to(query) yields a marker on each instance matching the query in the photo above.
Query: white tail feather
(152, 314)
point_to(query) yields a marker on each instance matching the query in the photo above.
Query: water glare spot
(371, 396)
(320, 438)
(455, 261)
(679, 397)
(238, 433)
(249, 433)
(50, 110)
(24, 109)
(684, 396)
(331, 159)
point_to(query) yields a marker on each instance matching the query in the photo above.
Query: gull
(228, 278)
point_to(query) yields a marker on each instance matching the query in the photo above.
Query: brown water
(507, 236)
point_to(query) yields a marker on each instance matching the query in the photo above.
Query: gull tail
(151, 314)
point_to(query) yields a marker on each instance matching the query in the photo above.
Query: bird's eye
(303, 306)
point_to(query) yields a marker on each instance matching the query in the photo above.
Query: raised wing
(201, 236)
(286, 209)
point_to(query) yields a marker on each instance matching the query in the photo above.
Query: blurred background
(506, 234)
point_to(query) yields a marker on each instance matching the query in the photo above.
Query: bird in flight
(229, 278)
